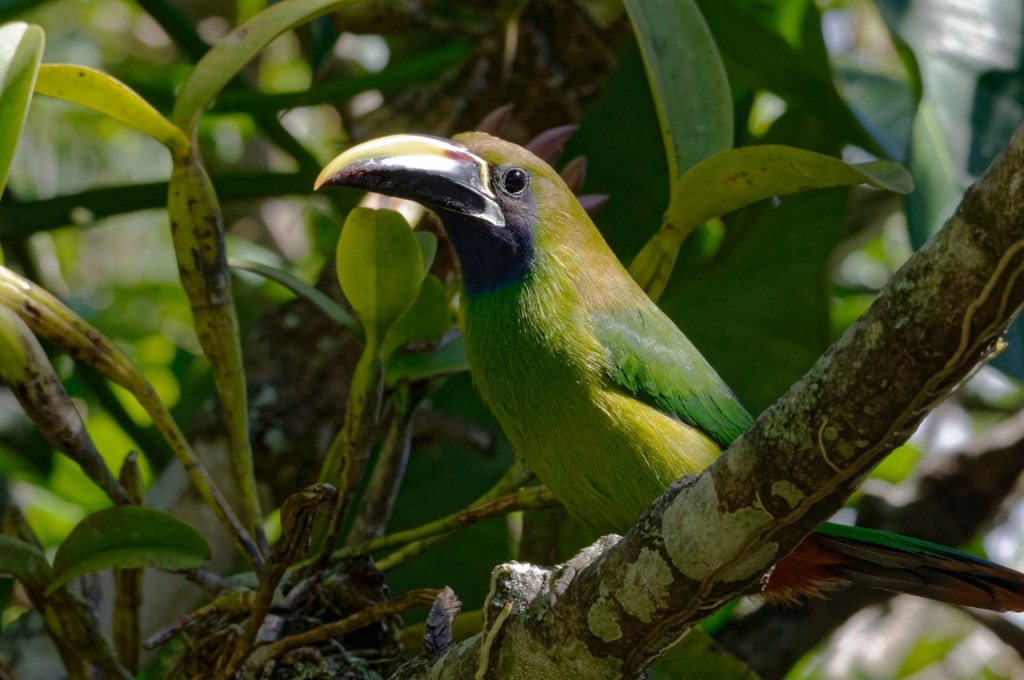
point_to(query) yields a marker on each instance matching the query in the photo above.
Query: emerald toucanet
(601, 393)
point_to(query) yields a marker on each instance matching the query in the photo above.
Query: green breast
(542, 370)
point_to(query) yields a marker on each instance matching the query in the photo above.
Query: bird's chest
(536, 366)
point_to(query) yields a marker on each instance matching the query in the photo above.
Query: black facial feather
(494, 257)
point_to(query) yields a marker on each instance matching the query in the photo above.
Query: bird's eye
(515, 181)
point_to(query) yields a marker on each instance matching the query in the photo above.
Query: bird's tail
(836, 554)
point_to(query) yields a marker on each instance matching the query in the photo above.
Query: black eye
(515, 181)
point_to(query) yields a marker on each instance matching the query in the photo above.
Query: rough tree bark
(614, 608)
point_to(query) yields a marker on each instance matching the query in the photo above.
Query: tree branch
(950, 504)
(710, 538)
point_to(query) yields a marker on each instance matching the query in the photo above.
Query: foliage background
(935, 85)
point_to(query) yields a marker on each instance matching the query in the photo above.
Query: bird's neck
(491, 257)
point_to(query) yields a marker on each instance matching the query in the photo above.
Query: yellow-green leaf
(128, 537)
(733, 179)
(106, 94)
(379, 268)
(21, 48)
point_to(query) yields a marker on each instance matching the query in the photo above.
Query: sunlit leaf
(237, 48)
(108, 95)
(21, 48)
(739, 177)
(128, 537)
(379, 268)
(428, 248)
(691, 90)
(732, 179)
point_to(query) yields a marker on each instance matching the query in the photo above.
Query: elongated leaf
(106, 94)
(738, 177)
(691, 90)
(128, 537)
(380, 268)
(332, 309)
(21, 48)
(24, 561)
(236, 49)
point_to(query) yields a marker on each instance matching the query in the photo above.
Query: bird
(601, 393)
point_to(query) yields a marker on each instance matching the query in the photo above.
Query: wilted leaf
(129, 537)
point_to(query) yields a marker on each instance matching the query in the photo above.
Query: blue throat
(491, 257)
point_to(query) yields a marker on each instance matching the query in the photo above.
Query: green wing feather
(650, 358)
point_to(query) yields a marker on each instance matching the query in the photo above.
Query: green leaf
(106, 94)
(630, 168)
(738, 177)
(332, 309)
(697, 656)
(21, 48)
(128, 537)
(767, 288)
(236, 49)
(779, 47)
(445, 360)
(426, 320)
(24, 561)
(428, 248)
(732, 179)
(380, 268)
(691, 90)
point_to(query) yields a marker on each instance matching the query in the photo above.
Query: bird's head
(495, 199)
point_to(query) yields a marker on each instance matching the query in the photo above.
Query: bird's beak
(439, 173)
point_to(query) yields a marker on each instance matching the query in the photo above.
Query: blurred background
(936, 85)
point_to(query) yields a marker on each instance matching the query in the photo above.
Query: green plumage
(602, 394)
